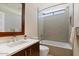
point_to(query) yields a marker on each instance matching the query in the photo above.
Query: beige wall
(76, 24)
(45, 5)
(31, 20)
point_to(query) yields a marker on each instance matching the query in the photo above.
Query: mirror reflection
(10, 17)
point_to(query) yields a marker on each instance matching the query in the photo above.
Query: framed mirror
(12, 18)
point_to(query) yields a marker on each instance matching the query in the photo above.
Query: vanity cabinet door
(34, 50)
(30, 51)
(20, 53)
(27, 51)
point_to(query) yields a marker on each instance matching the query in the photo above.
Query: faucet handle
(25, 37)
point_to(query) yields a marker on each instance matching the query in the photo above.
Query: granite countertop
(7, 50)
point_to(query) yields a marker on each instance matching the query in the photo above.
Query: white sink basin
(13, 44)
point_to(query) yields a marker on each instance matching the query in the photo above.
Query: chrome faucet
(25, 37)
(13, 38)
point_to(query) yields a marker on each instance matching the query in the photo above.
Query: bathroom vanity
(15, 25)
(29, 47)
(32, 50)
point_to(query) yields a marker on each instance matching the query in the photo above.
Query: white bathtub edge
(56, 44)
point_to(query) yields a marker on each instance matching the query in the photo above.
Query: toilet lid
(43, 47)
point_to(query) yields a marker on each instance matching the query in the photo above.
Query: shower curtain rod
(52, 6)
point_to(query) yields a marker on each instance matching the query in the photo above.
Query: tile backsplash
(10, 38)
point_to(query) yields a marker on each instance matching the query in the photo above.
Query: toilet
(44, 50)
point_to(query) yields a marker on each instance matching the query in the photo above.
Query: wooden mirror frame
(22, 26)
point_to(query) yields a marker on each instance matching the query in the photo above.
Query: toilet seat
(44, 50)
(43, 47)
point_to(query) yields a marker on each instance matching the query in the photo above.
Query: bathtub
(58, 48)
